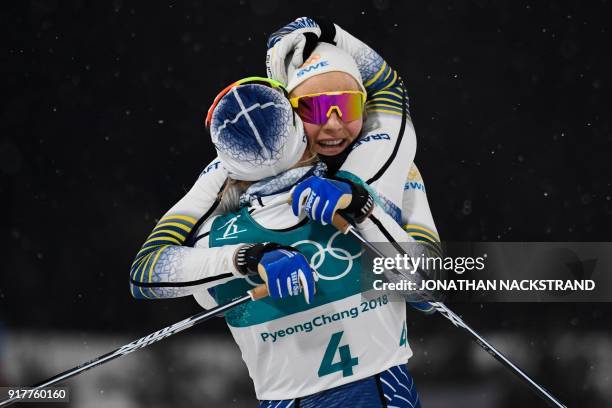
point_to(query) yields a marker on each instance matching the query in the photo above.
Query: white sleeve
(202, 200)
(201, 293)
(381, 227)
(168, 265)
(385, 149)
(417, 218)
(381, 158)
(384, 233)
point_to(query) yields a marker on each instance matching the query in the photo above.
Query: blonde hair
(229, 197)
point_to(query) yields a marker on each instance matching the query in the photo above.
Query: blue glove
(287, 273)
(320, 198)
(424, 307)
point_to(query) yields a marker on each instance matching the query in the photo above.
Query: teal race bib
(336, 258)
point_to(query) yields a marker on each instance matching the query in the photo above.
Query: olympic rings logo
(318, 258)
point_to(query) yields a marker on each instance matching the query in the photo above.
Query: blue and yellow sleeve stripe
(385, 78)
(171, 230)
(385, 91)
(431, 239)
(427, 236)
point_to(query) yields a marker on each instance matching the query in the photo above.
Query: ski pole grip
(259, 292)
(340, 223)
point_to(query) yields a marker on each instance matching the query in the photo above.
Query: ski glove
(320, 198)
(293, 44)
(424, 307)
(283, 268)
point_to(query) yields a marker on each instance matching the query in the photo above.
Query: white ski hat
(324, 58)
(255, 132)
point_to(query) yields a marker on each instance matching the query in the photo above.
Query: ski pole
(345, 227)
(256, 293)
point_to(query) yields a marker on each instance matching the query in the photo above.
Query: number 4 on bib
(346, 362)
(403, 336)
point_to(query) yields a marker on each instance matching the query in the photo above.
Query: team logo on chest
(231, 229)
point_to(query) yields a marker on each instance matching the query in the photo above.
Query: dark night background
(102, 131)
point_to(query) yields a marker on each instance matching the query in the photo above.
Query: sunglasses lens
(317, 109)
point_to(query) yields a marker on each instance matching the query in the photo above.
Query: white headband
(324, 58)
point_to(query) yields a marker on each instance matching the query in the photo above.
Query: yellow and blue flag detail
(427, 236)
(385, 91)
(171, 230)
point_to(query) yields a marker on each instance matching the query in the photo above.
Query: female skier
(320, 325)
(380, 157)
(289, 343)
(166, 267)
(327, 71)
